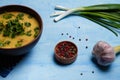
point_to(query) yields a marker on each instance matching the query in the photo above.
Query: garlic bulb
(104, 53)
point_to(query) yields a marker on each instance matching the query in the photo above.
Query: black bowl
(26, 48)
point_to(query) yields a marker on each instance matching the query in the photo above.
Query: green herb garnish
(7, 42)
(7, 16)
(36, 30)
(28, 33)
(4, 43)
(13, 28)
(19, 43)
(27, 24)
(1, 44)
(1, 26)
(20, 16)
(30, 16)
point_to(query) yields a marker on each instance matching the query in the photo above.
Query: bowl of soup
(20, 29)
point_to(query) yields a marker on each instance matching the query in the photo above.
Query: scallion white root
(57, 13)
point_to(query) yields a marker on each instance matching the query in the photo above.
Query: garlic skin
(104, 53)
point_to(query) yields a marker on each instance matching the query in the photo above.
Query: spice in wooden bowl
(66, 52)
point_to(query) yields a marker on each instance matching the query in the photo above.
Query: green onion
(4, 43)
(30, 16)
(36, 30)
(27, 24)
(20, 16)
(1, 26)
(19, 43)
(7, 16)
(13, 28)
(106, 15)
(28, 33)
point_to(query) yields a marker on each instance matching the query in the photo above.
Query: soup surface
(17, 29)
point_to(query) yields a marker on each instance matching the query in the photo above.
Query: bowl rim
(36, 13)
(68, 42)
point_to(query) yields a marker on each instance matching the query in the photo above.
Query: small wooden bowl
(66, 52)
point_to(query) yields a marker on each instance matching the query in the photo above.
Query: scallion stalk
(106, 15)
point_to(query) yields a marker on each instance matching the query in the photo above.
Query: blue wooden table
(39, 64)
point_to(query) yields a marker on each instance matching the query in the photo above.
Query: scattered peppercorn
(86, 39)
(79, 27)
(66, 33)
(86, 47)
(79, 39)
(81, 74)
(62, 34)
(70, 36)
(92, 71)
(73, 38)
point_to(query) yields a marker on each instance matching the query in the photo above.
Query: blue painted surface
(39, 64)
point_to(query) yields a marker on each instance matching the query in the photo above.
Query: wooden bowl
(29, 46)
(66, 52)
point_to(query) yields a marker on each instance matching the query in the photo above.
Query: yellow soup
(17, 29)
